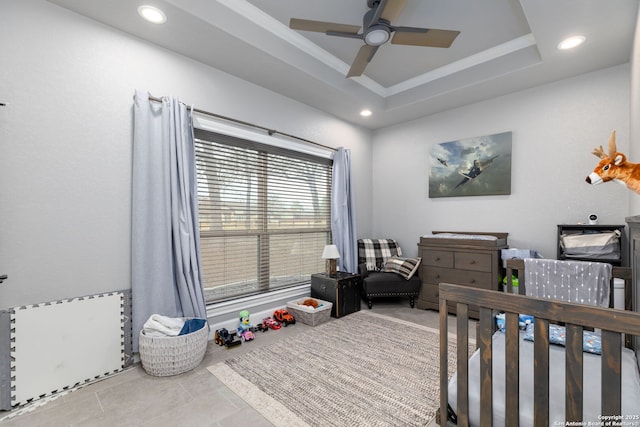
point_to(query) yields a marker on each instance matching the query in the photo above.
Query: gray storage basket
(309, 315)
(599, 245)
(165, 356)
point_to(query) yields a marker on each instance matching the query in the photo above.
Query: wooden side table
(343, 290)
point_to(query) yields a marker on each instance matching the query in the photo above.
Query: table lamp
(331, 254)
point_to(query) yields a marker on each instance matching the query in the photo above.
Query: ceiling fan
(377, 30)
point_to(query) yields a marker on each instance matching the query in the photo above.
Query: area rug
(364, 369)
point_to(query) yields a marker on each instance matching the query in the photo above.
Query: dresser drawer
(437, 258)
(429, 292)
(473, 261)
(430, 296)
(476, 279)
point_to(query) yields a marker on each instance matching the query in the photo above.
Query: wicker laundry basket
(165, 356)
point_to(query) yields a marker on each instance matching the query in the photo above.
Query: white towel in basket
(162, 326)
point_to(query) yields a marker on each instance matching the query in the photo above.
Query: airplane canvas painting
(478, 166)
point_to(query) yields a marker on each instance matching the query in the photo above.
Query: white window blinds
(264, 215)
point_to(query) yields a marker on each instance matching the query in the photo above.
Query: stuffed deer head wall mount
(614, 166)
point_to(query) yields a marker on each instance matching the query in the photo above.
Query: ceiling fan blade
(393, 9)
(322, 27)
(429, 38)
(364, 56)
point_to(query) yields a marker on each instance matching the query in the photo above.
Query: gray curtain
(343, 217)
(165, 252)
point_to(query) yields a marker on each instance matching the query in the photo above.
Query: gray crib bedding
(592, 375)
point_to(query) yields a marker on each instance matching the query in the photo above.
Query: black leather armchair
(384, 273)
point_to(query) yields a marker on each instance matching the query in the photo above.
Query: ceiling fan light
(376, 36)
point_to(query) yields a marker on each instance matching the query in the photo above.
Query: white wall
(66, 136)
(65, 152)
(554, 127)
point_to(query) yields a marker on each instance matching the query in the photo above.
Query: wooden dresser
(468, 262)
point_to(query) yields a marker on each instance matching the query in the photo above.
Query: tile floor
(195, 398)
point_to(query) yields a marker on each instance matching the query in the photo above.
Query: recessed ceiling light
(365, 113)
(152, 14)
(571, 42)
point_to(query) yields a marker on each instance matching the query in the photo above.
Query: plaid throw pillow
(375, 252)
(406, 267)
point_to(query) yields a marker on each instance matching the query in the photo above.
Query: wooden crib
(576, 318)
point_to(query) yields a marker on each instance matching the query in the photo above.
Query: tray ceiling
(504, 46)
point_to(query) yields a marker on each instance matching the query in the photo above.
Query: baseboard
(226, 314)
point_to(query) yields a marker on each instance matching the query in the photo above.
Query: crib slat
(485, 332)
(512, 390)
(508, 288)
(611, 373)
(444, 361)
(522, 286)
(541, 372)
(462, 358)
(519, 264)
(574, 372)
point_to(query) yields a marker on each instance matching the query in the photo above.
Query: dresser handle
(437, 258)
(473, 261)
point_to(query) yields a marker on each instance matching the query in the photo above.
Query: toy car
(271, 323)
(224, 337)
(260, 327)
(284, 317)
(247, 335)
(220, 335)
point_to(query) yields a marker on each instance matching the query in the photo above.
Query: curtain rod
(271, 132)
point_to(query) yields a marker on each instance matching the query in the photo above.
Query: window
(264, 215)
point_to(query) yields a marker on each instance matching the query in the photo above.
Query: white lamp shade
(330, 252)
